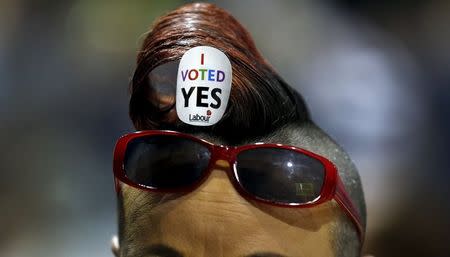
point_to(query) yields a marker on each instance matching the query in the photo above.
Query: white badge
(203, 86)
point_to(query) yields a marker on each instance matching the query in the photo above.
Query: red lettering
(195, 72)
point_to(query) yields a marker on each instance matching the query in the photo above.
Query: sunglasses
(275, 174)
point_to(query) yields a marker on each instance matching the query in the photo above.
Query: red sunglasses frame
(333, 188)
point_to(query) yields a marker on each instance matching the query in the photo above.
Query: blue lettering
(211, 75)
(184, 75)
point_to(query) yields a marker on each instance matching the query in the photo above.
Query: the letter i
(202, 59)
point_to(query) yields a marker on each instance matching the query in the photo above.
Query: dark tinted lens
(165, 161)
(280, 175)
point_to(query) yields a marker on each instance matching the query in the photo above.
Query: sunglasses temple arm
(343, 199)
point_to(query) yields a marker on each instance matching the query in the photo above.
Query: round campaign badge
(203, 86)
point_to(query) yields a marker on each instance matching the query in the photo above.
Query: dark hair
(260, 101)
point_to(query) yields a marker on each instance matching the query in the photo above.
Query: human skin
(215, 220)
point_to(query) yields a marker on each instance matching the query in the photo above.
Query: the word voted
(203, 74)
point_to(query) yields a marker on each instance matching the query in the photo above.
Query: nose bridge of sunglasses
(221, 157)
(223, 153)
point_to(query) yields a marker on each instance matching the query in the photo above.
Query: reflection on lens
(280, 175)
(165, 161)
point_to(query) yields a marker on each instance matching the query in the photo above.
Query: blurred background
(375, 74)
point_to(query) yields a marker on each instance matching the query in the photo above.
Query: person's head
(214, 219)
